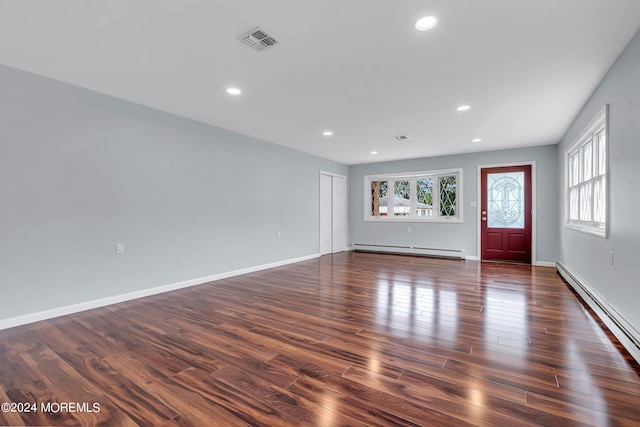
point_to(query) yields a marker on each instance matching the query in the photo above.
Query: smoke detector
(258, 39)
(401, 138)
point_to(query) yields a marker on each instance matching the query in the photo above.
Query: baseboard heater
(626, 334)
(410, 250)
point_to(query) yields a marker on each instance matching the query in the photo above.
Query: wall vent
(401, 138)
(258, 39)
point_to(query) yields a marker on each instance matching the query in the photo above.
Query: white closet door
(325, 214)
(338, 220)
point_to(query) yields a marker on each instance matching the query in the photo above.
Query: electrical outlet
(408, 229)
(119, 248)
(278, 234)
(611, 258)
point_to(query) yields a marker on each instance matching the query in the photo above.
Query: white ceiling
(357, 67)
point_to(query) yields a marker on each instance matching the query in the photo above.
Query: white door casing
(325, 214)
(333, 225)
(338, 221)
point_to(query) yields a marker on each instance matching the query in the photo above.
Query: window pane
(424, 199)
(602, 152)
(574, 206)
(505, 196)
(587, 162)
(379, 198)
(402, 198)
(448, 195)
(599, 201)
(575, 169)
(585, 201)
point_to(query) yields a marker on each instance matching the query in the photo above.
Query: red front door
(505, 213)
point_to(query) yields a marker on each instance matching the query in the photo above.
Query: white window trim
(404, 175)
(596, 124)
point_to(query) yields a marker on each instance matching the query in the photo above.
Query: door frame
(346, 211)
(533, 205)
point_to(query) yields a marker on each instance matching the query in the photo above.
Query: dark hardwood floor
(349, 339)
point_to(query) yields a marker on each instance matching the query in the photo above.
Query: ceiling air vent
(258, 39)
(401, 138)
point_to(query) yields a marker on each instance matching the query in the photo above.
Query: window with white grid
(586, 169)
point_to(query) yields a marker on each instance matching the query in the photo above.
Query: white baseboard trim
(472, 258)
(88, 305)
(628, 336)
(545, 264)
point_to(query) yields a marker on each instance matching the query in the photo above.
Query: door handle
(484, 218)
(484, 212)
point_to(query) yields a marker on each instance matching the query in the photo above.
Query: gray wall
(464, 235)
(80, 172)
(587, 255)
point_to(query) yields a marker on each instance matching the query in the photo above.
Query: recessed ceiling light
(374, 152)
(233, 91)
(463, 108)
(476, 140)
(327, 133)
(426, 23)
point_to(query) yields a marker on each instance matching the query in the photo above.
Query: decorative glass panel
(599, 201)
(505, 196)
(602, 153)
(379, 198)
(587, 161)
(424, 192)
(585, 201)
(448, 196)
(574, 204)
(401, 198)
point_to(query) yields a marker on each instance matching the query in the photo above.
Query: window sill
(415, 220)
(598, 232)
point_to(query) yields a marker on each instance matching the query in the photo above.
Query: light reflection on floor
(512, 324)
(417, 311)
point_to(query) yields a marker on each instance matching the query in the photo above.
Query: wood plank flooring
(350, 339)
